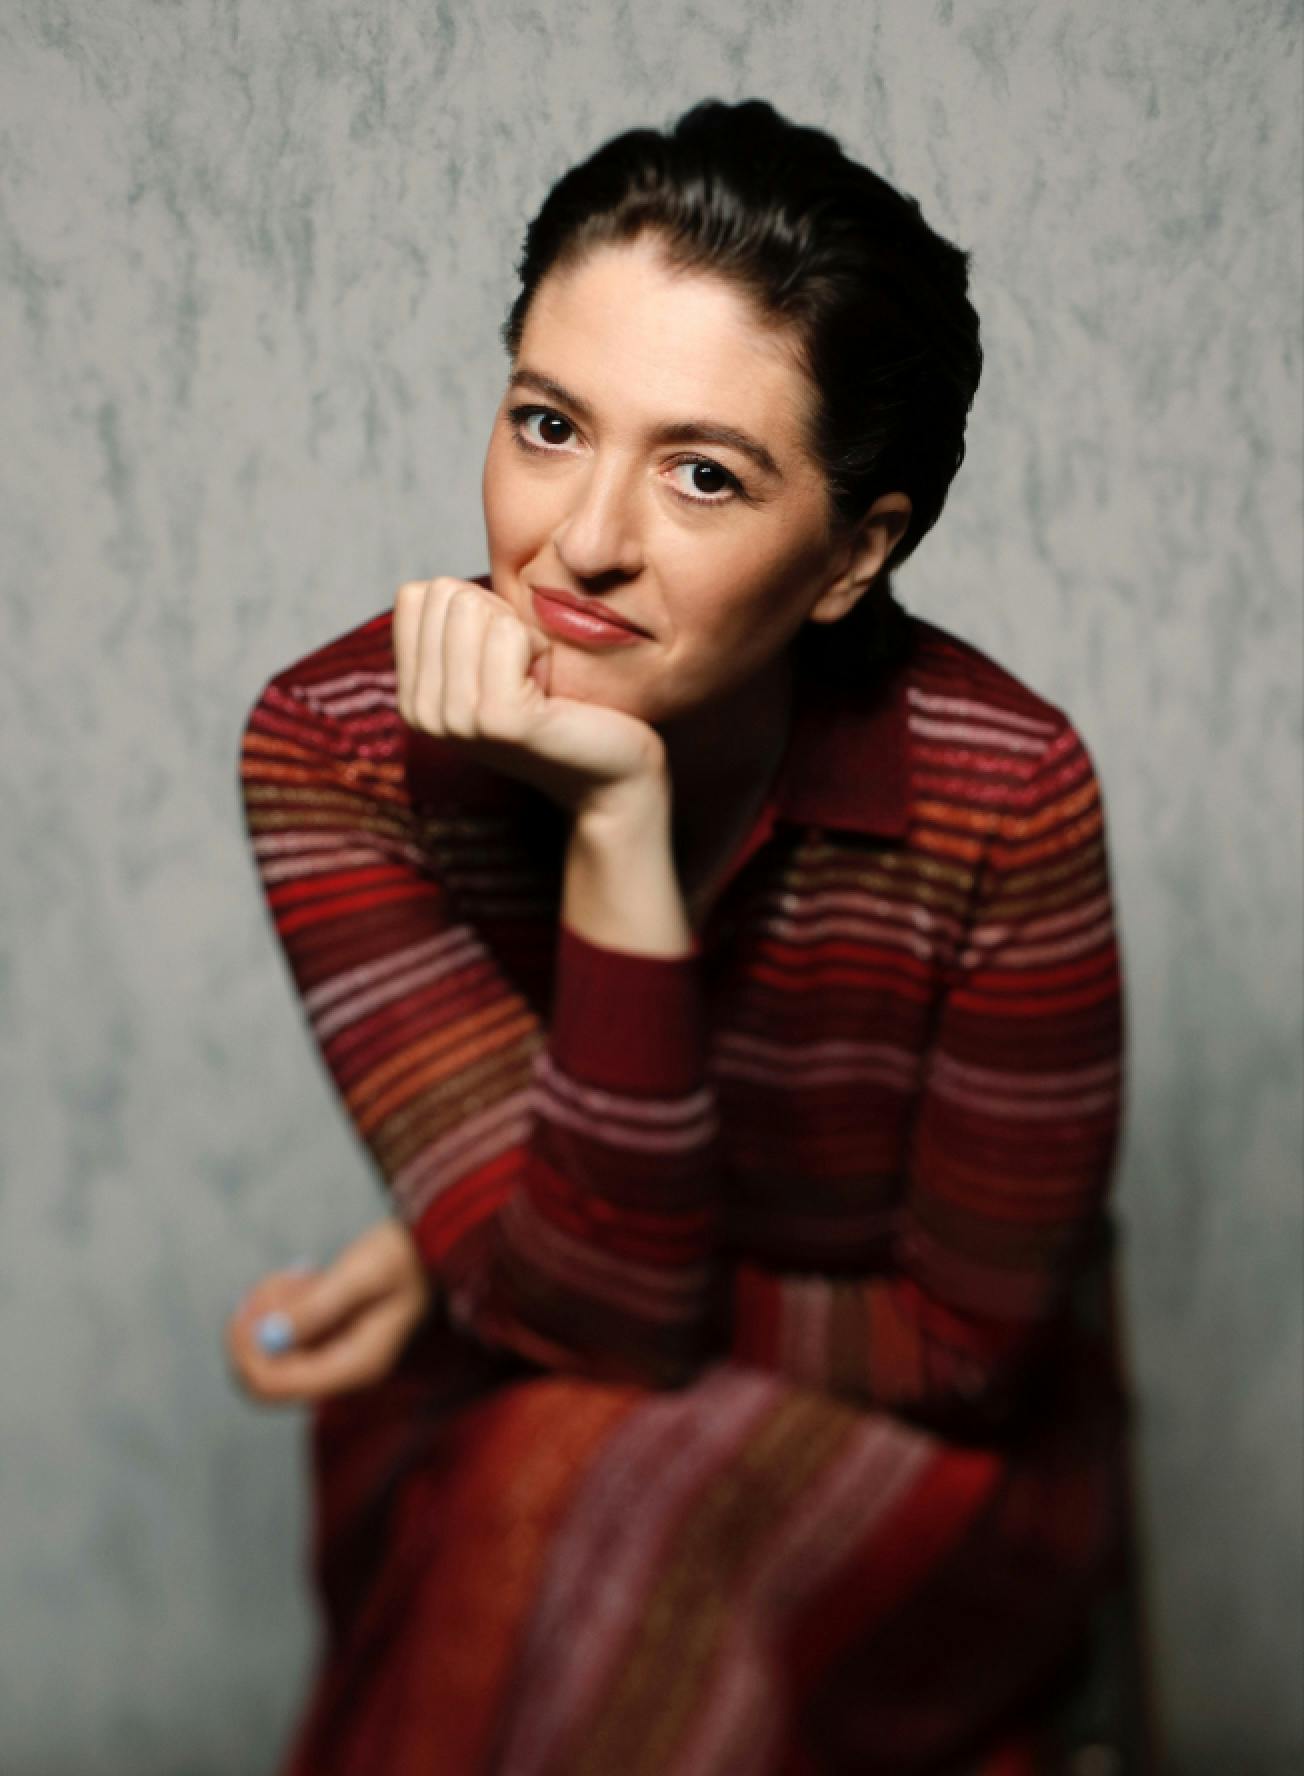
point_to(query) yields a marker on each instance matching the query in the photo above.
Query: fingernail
(274, 1333)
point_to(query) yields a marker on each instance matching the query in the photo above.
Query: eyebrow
(675, 431)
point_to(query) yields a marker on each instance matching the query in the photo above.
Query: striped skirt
(523, 1573)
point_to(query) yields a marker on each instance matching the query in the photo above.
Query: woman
(719, 965)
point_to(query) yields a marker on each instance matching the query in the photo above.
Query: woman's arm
(1013, 1143)
(619, 886)
(561, 1184)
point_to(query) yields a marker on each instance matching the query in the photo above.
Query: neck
(722, 758)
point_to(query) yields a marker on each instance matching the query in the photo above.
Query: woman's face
(650, 458)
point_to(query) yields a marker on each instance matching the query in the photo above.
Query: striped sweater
(863, 1133)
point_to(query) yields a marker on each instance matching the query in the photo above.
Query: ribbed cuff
(625, 1021)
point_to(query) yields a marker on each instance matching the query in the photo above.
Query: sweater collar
(847, 763)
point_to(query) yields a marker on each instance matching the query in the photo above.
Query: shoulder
(340, 695)
(958, 695)
(993, 761)
(949, 673)
(340, 699)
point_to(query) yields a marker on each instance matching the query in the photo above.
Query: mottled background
(252, 260)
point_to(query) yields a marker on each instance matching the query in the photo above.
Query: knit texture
(842, 1168)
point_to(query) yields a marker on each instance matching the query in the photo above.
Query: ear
(863, 557)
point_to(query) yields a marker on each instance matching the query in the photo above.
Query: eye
(521, 417)
(720, 489)
(720, 486)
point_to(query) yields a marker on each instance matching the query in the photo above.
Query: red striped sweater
(863, 1133)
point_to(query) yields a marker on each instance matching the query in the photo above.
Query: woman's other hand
(468, 668)
(341, 1328)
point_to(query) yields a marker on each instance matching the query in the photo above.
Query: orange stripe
(390, 1086)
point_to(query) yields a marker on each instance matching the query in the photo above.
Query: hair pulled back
(877, 300)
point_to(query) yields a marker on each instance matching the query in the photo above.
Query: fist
(342, 1328)
(470, 670)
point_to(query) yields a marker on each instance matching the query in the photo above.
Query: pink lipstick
(587, 623)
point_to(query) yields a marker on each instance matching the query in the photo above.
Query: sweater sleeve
(1012, 1145)
(560, 1184)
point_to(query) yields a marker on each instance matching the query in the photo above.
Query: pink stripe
(953, 1073)
(337, 858)
(473, 1143)
(960, 731)
(277, 844)
(834, 1515)
(965, 706)
(666, 1296)
(608, 1134)
(991, 930)
(329, 687)
(328, 1023)
(359, 702)
(861, 904)
(456, 944)
(691, 1107)
(612, 1545)
(992, 1104)
(802, 929)
(448, 949)
(1026, 955)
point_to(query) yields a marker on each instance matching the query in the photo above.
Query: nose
(600, 532)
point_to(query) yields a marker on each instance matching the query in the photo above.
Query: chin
(587, 678)
(584, 680)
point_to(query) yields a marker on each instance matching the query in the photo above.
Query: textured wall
(252, 259)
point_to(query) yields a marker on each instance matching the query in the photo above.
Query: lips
(590, 607)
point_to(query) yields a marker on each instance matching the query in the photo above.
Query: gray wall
(252, 259)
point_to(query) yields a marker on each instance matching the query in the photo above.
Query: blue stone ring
(274, 1333)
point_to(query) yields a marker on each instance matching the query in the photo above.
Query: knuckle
(464, 602)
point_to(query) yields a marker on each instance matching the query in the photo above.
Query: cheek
(510, 515)
(714, 567)
(733, 590)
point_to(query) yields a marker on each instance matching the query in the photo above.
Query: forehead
(622, 326)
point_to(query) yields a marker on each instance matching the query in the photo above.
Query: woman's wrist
(619, 812)
(620, 887)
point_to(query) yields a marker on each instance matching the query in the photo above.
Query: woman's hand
(469, 669)
(347, 1323)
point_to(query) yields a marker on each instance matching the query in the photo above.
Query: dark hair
(877, 299)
